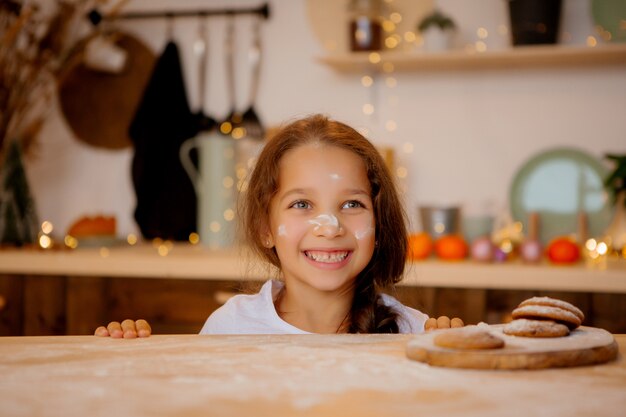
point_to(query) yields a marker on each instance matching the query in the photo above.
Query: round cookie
(467, 338)
(539, 312)
(553, 302)
(535, 328)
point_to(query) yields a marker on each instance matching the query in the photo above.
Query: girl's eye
(353, 204)
(300, 204)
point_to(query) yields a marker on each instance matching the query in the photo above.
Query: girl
(322, 207)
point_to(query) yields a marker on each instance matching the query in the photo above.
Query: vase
(438, 40)
(534, 21)
(615, 233)
(19, 224)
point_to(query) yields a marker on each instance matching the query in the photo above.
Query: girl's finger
(101, 332)
(443, 322)
(143, 328)
(115, 330)
(129, 329)
(456, 322)
(430, 324)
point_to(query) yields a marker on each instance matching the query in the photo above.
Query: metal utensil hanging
(200, 47)
(251, 123)
(234, 117)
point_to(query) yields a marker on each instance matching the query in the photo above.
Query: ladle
(250, 120)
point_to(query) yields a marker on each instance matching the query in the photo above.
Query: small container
(531, 249)
(365, 29)
(534, 21)
(440, 221)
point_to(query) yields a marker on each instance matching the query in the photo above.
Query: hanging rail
(263, 10)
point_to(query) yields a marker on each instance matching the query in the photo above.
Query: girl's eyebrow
(307, 191)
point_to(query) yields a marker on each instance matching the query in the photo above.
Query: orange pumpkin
(451, 247)
(420, 246)
(563, 250)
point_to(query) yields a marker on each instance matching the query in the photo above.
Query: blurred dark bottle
(534, 21)
(365, 25)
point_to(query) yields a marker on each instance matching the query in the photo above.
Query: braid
(368, 313)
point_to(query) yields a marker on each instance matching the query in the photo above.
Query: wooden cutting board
(584, 346)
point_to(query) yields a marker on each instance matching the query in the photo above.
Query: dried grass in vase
(34, 46)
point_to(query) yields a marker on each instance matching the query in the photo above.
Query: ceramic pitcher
(215, 184)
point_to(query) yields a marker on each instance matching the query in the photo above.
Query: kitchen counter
(303, 375)
(182, 261)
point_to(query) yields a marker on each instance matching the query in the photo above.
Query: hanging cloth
(166, 200)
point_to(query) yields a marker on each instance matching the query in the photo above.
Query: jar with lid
(365, 29)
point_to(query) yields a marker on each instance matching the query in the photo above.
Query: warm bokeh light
(194, 238)
(163, 250)
(482, 33)
(395, 17)
(401, 172)
(506, 246)
(47, 227)
(229, 215)
(481, 46)
(215, 227)
(131, 239)
(374, 57)
(409, 37)
(368, 109)
(238, 133)
(71, 242)
(228, 182)
(156, 242)
(391, 42)
(226, 128)
(592, 41)
(367, 81)
(391, 125)
(104, 252)
(602, 248)
(45, 242)
(407, 147)
(391, 82)
(591, 244)
(388, 67)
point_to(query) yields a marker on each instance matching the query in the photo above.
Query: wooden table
(308, 375)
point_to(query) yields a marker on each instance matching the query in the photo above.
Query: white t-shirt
(255, 314)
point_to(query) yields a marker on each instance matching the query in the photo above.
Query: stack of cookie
(544, 317)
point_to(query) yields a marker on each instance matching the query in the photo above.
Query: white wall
(470, 130)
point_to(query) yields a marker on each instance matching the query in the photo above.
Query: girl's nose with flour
(326, 225)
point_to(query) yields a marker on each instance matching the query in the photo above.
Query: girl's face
(321, 218)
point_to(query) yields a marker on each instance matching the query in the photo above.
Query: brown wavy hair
(368, 314)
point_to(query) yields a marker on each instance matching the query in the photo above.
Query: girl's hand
(442, 322)
(128, 329)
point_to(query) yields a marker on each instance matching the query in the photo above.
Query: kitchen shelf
(195, 262)
(514, 58)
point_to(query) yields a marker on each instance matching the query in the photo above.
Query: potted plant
(437, 30)
(615, 182)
